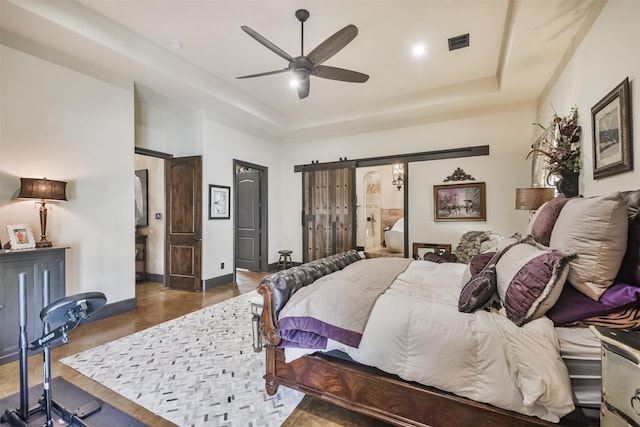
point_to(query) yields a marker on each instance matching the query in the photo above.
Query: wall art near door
(459, 202)
(219, 202)
(612, 134)
(21, 237)
(142, 197)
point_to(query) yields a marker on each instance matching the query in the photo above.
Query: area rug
(197, 370)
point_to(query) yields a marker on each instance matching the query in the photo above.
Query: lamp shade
(43, 189)
(532, 198)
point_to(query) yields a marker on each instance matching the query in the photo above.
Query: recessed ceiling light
(419, 50)
(175, 44)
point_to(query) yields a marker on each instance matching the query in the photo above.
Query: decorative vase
(568, 183)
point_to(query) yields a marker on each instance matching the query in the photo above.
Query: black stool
(285, 259)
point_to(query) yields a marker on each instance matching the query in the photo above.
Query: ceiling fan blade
(333, 44)
(267, 43)
(267, 73)
(341, 74)
(303, 87)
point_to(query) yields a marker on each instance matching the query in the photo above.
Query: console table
(33, 262)
(141, 257)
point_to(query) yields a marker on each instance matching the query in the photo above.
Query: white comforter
(416, 332)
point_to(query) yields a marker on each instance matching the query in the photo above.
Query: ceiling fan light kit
(304, 66)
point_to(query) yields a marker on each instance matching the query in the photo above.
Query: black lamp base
(44, 243)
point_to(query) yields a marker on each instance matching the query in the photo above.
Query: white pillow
(596, 229)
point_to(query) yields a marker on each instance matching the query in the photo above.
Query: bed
(387, 338)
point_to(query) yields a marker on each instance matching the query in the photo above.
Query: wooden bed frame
(387, 397)
(375, 393)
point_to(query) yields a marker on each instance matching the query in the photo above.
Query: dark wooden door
(248, 218)
(329, 211)
(183, 177)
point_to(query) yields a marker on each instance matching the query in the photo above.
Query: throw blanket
(337, 306)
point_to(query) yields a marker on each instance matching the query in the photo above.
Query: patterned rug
(197, 370)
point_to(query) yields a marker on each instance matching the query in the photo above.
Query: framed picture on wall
(21, 237)
(612, 138)
(219, 202)
(142, 197)
(460, 202)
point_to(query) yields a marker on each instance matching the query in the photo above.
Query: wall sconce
(532, 198)
(398, 175)
(42, 189)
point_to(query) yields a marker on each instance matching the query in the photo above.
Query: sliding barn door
(329, 211)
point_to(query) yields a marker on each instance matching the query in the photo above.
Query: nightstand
(620, 377)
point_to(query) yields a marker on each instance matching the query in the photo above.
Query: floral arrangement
(561, 145)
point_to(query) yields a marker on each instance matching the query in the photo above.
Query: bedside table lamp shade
(531, 199)
(44, 190)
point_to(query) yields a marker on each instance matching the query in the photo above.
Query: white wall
(177, 132)
(221, 145)
(607, 55)
(70, 127)
(508, 133)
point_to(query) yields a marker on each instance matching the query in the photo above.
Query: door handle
(198, 239)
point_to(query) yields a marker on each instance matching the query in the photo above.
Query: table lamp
(44, 190)
(532, 198)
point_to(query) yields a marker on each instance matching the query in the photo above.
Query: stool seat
(285, 259)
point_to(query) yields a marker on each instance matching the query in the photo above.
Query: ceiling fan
(304, 66)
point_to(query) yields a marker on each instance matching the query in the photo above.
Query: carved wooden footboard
(383, 396)
(375, 393)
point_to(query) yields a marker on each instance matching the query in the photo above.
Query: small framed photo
(219, 202)
(21, 237)
(612, 137)
(460, 202)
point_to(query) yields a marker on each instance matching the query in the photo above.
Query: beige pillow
(596, 229)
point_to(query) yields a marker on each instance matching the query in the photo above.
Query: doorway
(250, 216)
(150, 220)
(381, 210)
(169, 238)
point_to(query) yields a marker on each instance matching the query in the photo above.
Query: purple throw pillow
(478, 262)
(478, 290)
(543, 226)
(573, 305)
(440, 258)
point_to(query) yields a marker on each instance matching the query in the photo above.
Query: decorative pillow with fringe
(530, 278)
